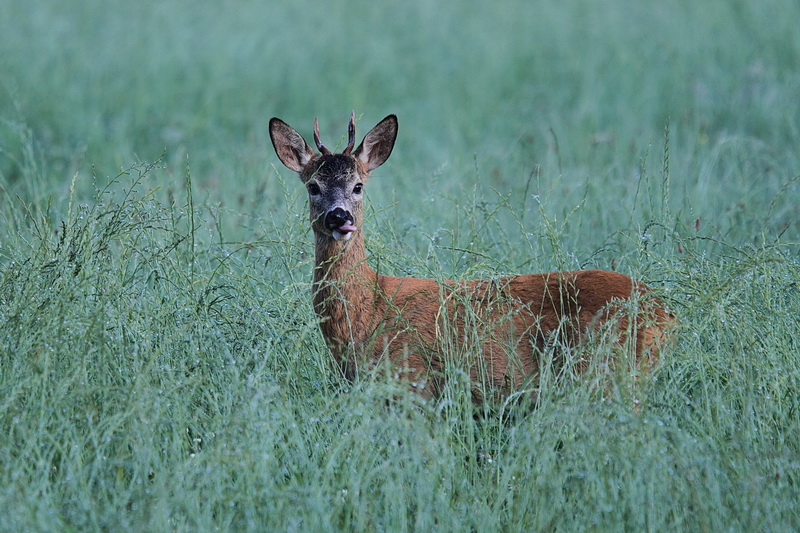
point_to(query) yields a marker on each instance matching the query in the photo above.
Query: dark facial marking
(335, 165)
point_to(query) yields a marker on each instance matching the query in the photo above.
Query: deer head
(334, 182)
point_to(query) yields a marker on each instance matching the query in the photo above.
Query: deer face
(334, 182)
(335, 191)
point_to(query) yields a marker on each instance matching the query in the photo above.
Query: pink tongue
(346, 228)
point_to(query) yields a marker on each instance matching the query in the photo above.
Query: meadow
(161, 367)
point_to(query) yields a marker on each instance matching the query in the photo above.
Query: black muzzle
(336, 218)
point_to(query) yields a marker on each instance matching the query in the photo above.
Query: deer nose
(336, 218)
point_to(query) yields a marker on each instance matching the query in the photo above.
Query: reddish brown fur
(367, 318)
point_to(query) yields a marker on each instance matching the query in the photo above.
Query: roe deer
(366, 317)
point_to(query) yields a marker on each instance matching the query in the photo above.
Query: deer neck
(344, 285)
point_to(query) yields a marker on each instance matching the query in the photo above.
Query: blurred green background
(487, 85)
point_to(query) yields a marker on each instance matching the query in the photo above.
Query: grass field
(161, 368)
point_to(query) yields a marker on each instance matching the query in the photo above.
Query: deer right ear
(377, 145)
(292, 149)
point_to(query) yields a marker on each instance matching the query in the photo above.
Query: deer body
(501, 325)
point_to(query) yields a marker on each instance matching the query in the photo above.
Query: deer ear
(377, 145)
(292, 149)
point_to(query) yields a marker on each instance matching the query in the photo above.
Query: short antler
(351, 133)
(320, 146)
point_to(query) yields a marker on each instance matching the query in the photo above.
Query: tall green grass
(160, 363)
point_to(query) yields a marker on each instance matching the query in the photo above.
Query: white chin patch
(342, 235)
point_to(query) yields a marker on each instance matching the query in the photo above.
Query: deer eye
(313, 189)
(357, 188)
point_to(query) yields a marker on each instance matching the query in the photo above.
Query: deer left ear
(292, 149)
(377, 145)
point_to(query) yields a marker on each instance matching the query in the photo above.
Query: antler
(351, 133)
(351, 136)
(320, 146)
